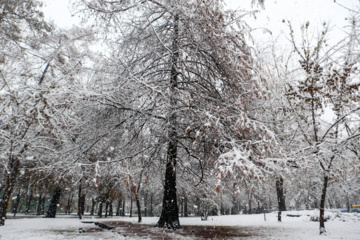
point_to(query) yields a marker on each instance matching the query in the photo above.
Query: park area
(204, 118)
(295, 225)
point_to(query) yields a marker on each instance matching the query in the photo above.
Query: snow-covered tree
(182, 73)
(325, 82)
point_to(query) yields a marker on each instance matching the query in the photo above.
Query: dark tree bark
(14, 165)
(79, 201)
(123, 209)
(348, 205)
(186, 207)
(145, 203)
(250, 208)
(131, 206)
(138, 205)
(100, 209)
(68, 206)
(280, 196)
(170, 213)
(51, 213)
(43, 205)
(110, 209)
(322, 204)
(222, 210)
(16, 205)
(38, 210)
(28, 205)
(92, 206)
(181, 206)
(118, 208)
(82, 203)
(106, 208)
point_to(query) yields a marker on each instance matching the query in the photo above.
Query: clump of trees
(175, 113)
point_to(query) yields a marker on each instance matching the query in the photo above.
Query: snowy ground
(339, 226)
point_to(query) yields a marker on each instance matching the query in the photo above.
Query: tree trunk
(145, 203)
(250, 209)
(110, 209)
(186, 207)
(118, 208)
(16, 205)
(322, 203)
(28, 205)
(170, 213)
(14, 165)
(100, 209)
(123, 209)
(169, 216)
(51, 213)
(68, 206)
(280, 196)
(348, 205)
(138, 208)
(106, 208)
(182, 207)
(82, 204)
(43, 205)
(92, 206)
(151, 205)
(131, 206)
(79, 201)
(38, 210)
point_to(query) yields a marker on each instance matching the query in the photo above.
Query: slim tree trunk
(348, 205)
(79, 201)
(110, 209)
(118, 207)
(16, 205)
(280, 196)
(82, 204)
(322, 203)
(106, 208)
(123, 209)
(51, 213)
(222, 211)
(131, 206)
(100, 209)
(182, 207)
(151, 205)
(28, 205)
(138, 208)
(250, 208)
(186, 207)
(68, 204)
(14, 165)
(43, 205)
(38, 210)
(145, 203)
(92, 206)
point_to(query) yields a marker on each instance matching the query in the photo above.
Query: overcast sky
(297, 11)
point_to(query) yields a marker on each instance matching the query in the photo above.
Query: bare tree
(327, 82)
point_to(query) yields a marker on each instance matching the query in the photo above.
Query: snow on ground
(339, 226)
(50, 228)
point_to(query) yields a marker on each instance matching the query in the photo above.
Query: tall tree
(19, 21)
(176, 70)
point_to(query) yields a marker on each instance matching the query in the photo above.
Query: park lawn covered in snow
(339, 226)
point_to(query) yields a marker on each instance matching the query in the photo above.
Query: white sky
(297, 11)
